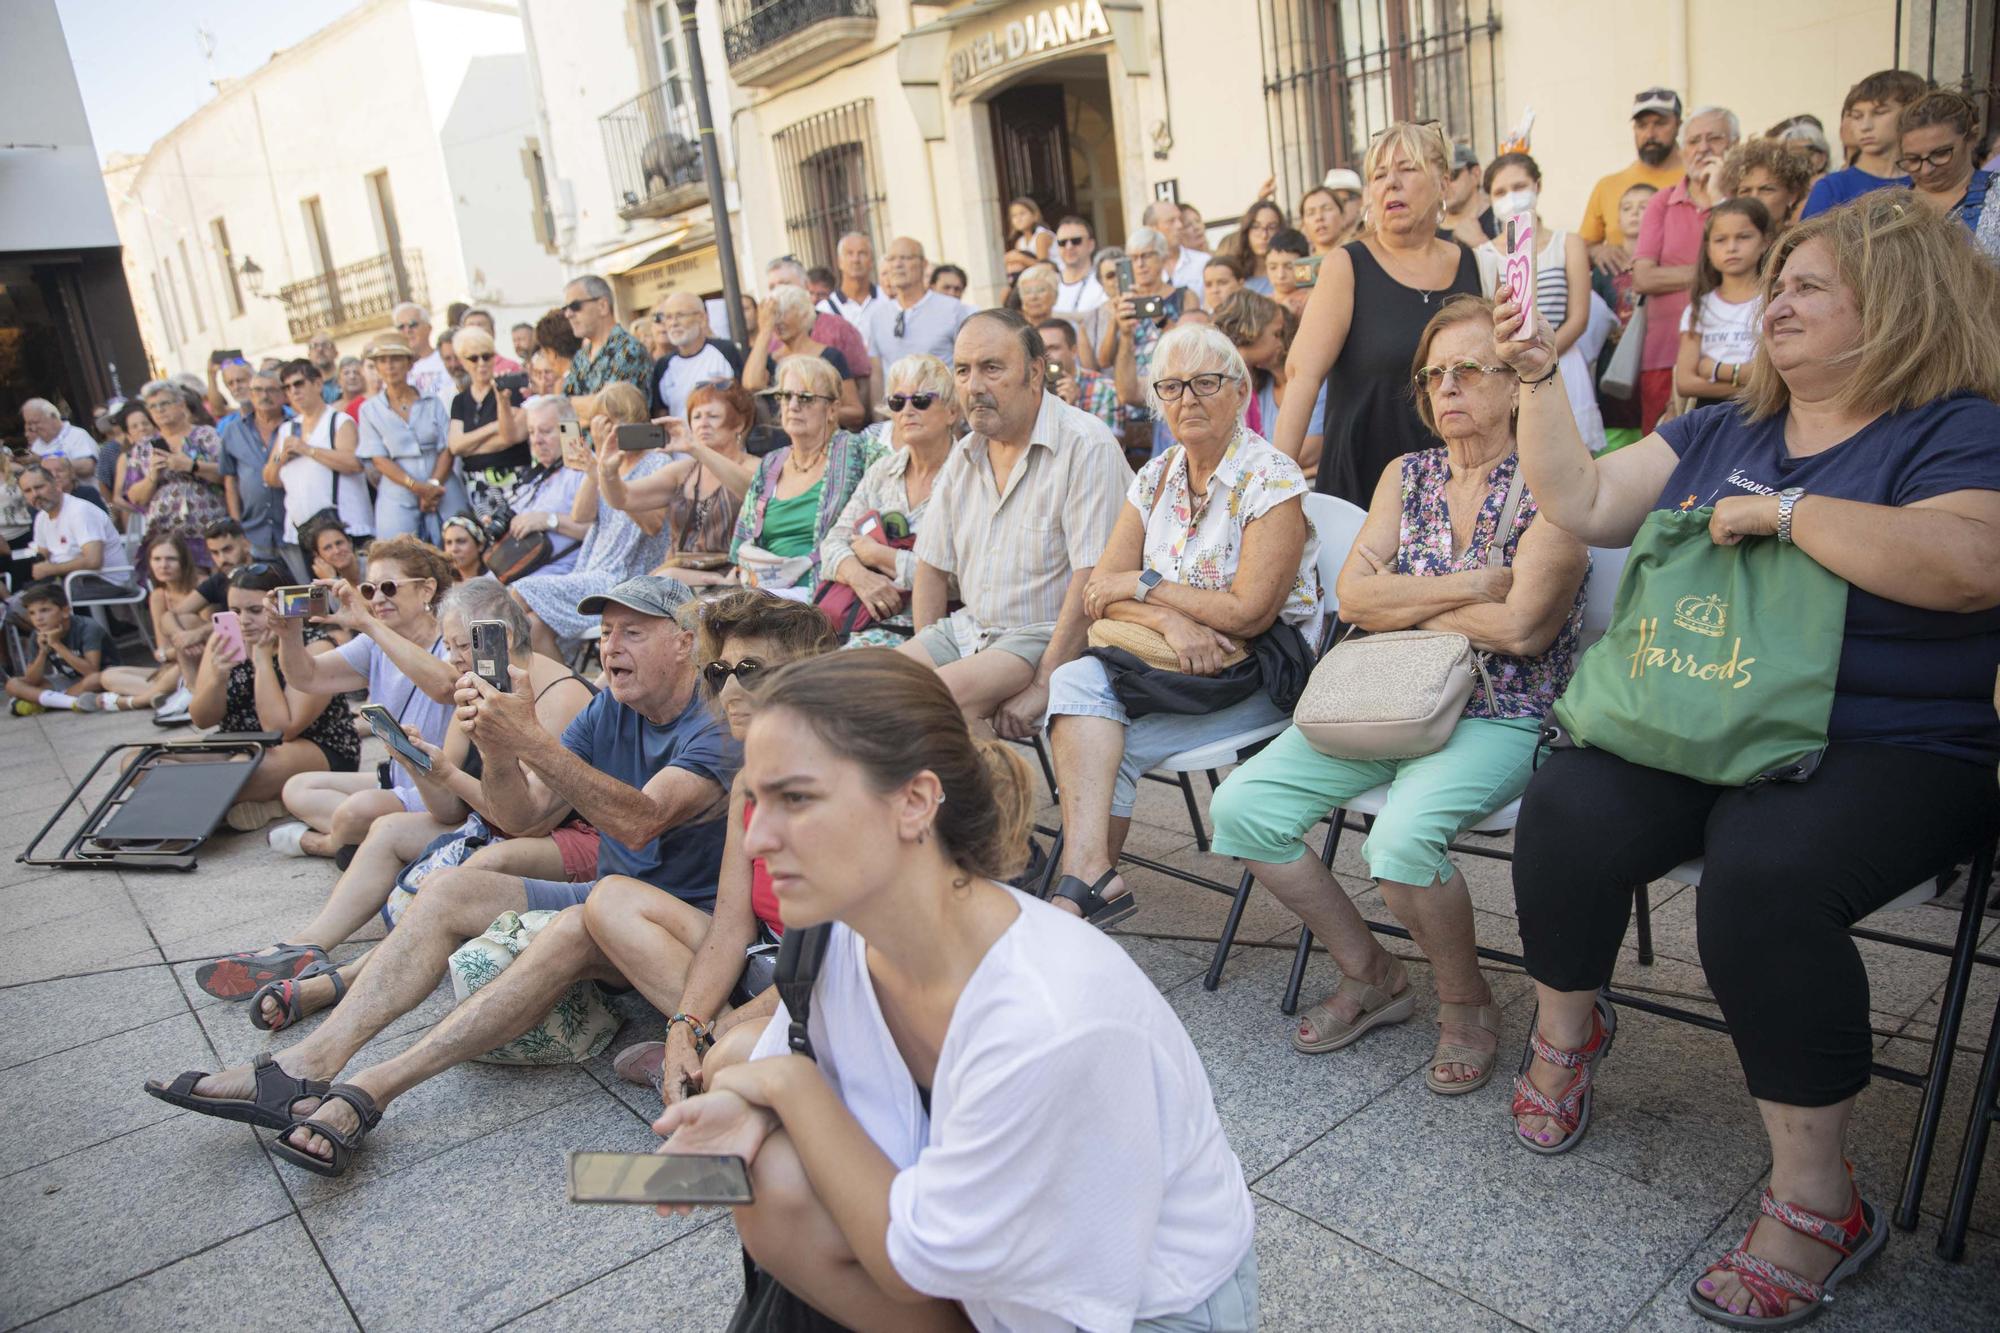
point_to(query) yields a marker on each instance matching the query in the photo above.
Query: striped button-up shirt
(1014, 548)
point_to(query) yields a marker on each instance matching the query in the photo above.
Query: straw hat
(388, 344)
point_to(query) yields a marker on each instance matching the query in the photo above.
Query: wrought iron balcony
(653, 147)
(768, 41)
(355, 297)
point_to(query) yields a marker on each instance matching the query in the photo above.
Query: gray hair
(594, 287)
(1105, 252)
(1042, 276)
(789, 300)
(422, 314)
(1197, 349)
(152, 388)
(1728, 117)
(555, 402)
(920, 372)
(1146, 241)
(786, 264)
(41, 407)
(486, 599)
(345, 362)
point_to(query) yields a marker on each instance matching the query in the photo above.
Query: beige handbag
(1145, 643)
(1398, 695)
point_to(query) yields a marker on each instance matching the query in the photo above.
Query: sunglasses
(387, 587)
(899, 323)
(1467, 372)
(921, 401)
(791, 398)
(580, 303)
(1072, 240)
(298, 384)
(243, 573)
(477, 356)
(717, 674)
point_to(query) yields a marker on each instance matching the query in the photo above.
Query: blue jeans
(1082, 689)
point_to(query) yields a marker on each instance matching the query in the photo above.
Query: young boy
(1287, 248)
(1870, 113)
(69, 654)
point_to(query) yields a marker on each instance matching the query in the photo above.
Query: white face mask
(1515, 203)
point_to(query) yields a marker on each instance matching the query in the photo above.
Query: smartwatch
(1149, 579)
(1787, 498)
(552, 520)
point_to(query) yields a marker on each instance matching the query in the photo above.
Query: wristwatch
(552, 521)
(1786, 499)
(1149, 579)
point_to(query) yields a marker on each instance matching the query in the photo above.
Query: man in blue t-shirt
(646, 762)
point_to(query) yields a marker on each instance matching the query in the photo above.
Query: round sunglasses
(387, 587)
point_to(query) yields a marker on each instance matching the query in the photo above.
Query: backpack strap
(799, 958)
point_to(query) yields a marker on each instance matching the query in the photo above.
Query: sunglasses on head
(717, 674)
(387, 587)
(921, 401)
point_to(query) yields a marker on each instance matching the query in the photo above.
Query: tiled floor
(1380, 1205)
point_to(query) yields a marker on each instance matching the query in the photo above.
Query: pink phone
(228, 633)
(1520, 275)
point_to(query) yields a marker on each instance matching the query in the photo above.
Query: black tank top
(1371, 412)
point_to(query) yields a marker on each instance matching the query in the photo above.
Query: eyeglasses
(717, 674)
(411, 326)
(1072, 240)
(792, 398)
(1202, 386)
(1467, 373)
(1909, 163)
(387, 587)
(477, 356)
(1263, 228)
(921, 401)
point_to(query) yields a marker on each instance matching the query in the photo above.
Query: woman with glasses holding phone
(1940, 141)
(315, 462)
(489, 432)
(702, 490)
(404, 437)
(182, 488)
(857, 550)
(784, 323)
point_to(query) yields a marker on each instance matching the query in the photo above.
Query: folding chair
(155, 824)
(119, 586)
(1972, 1154)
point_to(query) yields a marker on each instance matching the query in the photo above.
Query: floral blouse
(183, 502)
(1522, 686)
(881, 491)
(1194, 541)
(848, 458)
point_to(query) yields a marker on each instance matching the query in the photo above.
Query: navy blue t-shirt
(1908, 676)
(1844, 187)
(617, 740)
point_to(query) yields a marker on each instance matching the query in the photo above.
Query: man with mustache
(1656, 127)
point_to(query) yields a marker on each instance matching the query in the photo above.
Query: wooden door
(1031, 146)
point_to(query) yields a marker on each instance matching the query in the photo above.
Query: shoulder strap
(1509, 511)
(799, 958)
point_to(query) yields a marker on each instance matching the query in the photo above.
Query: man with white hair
(427, 368)
(1184, 263)
(1664, 261)
(857, 291)
(50, 436)
(693, 357)
(828, 329)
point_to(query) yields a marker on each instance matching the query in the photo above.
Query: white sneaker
(285, 838)
(173, 710)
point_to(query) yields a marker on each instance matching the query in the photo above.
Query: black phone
(1124, 276)
(641, 436)
(383, 725)
(510, 381)
(490, 655)
(651, 1177)
(224, 356)
(1149, 307)
(305, 599)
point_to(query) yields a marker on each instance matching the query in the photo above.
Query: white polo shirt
(1081, 297)
(75, 525)
(72, 441)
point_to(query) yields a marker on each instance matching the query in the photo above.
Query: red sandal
(1570, 1110)
(1857, 1237)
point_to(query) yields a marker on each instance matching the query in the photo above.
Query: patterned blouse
(620, 358)
(882, 491)
(1194, 541)
(1522, 686)
(183, 502)
(848, 458)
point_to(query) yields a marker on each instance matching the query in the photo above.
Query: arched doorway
(1055, 141)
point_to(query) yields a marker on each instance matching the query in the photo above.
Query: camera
(494, 516)
(1305, 272)
(511, 383)
(1149, 307)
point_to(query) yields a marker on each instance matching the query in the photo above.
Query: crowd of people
(826, 578)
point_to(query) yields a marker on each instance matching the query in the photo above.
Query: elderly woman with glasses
(1451, 543)
(1212, 549)
(1940, 143)
(784, 325)
(489, 432)
(181, 490)
(405, 434)
(315, 462)
(891, 500)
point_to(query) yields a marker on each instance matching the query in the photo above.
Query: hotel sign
(1036, 34)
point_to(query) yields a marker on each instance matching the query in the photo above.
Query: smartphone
(489, 654)
(304, 599)
(650, 1177)
(1124, 275)
(510, 382)
(641, 436)
(228, 634)
(1520, 274)
(383, 725)
(142, 457)
(1305, 272)
(575, 453)
(1149, 307)
(223, 356)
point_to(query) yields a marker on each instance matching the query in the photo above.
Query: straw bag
(1145, 643)
(1398, 695)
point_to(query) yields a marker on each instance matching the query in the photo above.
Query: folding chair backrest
(1600, 590)
(1337, 523)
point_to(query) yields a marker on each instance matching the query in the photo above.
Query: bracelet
(1714, 369)
(1547, 375)
(703, 1038)
(1736, 372)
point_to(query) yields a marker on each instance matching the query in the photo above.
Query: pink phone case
(1520, 273)
(228, 629)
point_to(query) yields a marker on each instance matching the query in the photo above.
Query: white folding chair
(116, 586)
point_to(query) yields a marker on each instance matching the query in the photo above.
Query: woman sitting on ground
(245, 690)
(922, 407)
(464, 548)
(784, 323)
(1211, 549)
(626, 537)
(906, 1179)
(742, 636)
(1866, 435)
(450, 792)
(397, 655)
(702, 490)
(1421, 561)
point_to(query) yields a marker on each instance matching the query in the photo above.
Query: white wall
(50, 197)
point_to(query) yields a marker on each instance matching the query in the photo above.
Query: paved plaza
(1380, 1205)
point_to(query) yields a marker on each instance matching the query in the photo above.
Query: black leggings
(1788, 867)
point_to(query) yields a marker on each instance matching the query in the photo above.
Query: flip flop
(270, 1108)
(288, 995)
(1097, 910)
(237, 976)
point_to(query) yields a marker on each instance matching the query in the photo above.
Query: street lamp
(253, 276)
(711, 163)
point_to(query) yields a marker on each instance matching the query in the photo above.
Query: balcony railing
(356, 297)
(653, 147)
(768, 41)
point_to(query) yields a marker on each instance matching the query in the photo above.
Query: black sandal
(286, 993)
(345, 1145)
(271, 1108)
(1089, 898)
(236, 976)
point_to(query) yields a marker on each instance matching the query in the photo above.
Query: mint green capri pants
(1264, 809)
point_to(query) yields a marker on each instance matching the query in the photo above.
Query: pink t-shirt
(1670, 236)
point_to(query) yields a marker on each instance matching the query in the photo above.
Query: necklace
(1425, 292)
(792, 463)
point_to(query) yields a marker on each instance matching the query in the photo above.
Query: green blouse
(791, 526)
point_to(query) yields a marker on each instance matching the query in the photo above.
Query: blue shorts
(552, 895)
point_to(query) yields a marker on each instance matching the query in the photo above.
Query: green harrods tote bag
(1720, 660)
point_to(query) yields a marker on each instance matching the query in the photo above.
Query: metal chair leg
(1642, 904)
(1053, 871)
(1957, 979)
(1972, 1155)
(1048, 769)
(1298, 977)
(1194, 812)
(1227, 940)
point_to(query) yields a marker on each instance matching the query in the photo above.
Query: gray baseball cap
(648, 594)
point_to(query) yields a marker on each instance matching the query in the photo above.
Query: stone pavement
(1380, 1205)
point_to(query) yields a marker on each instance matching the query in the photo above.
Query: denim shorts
(555, 894)
(1230, 1308)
